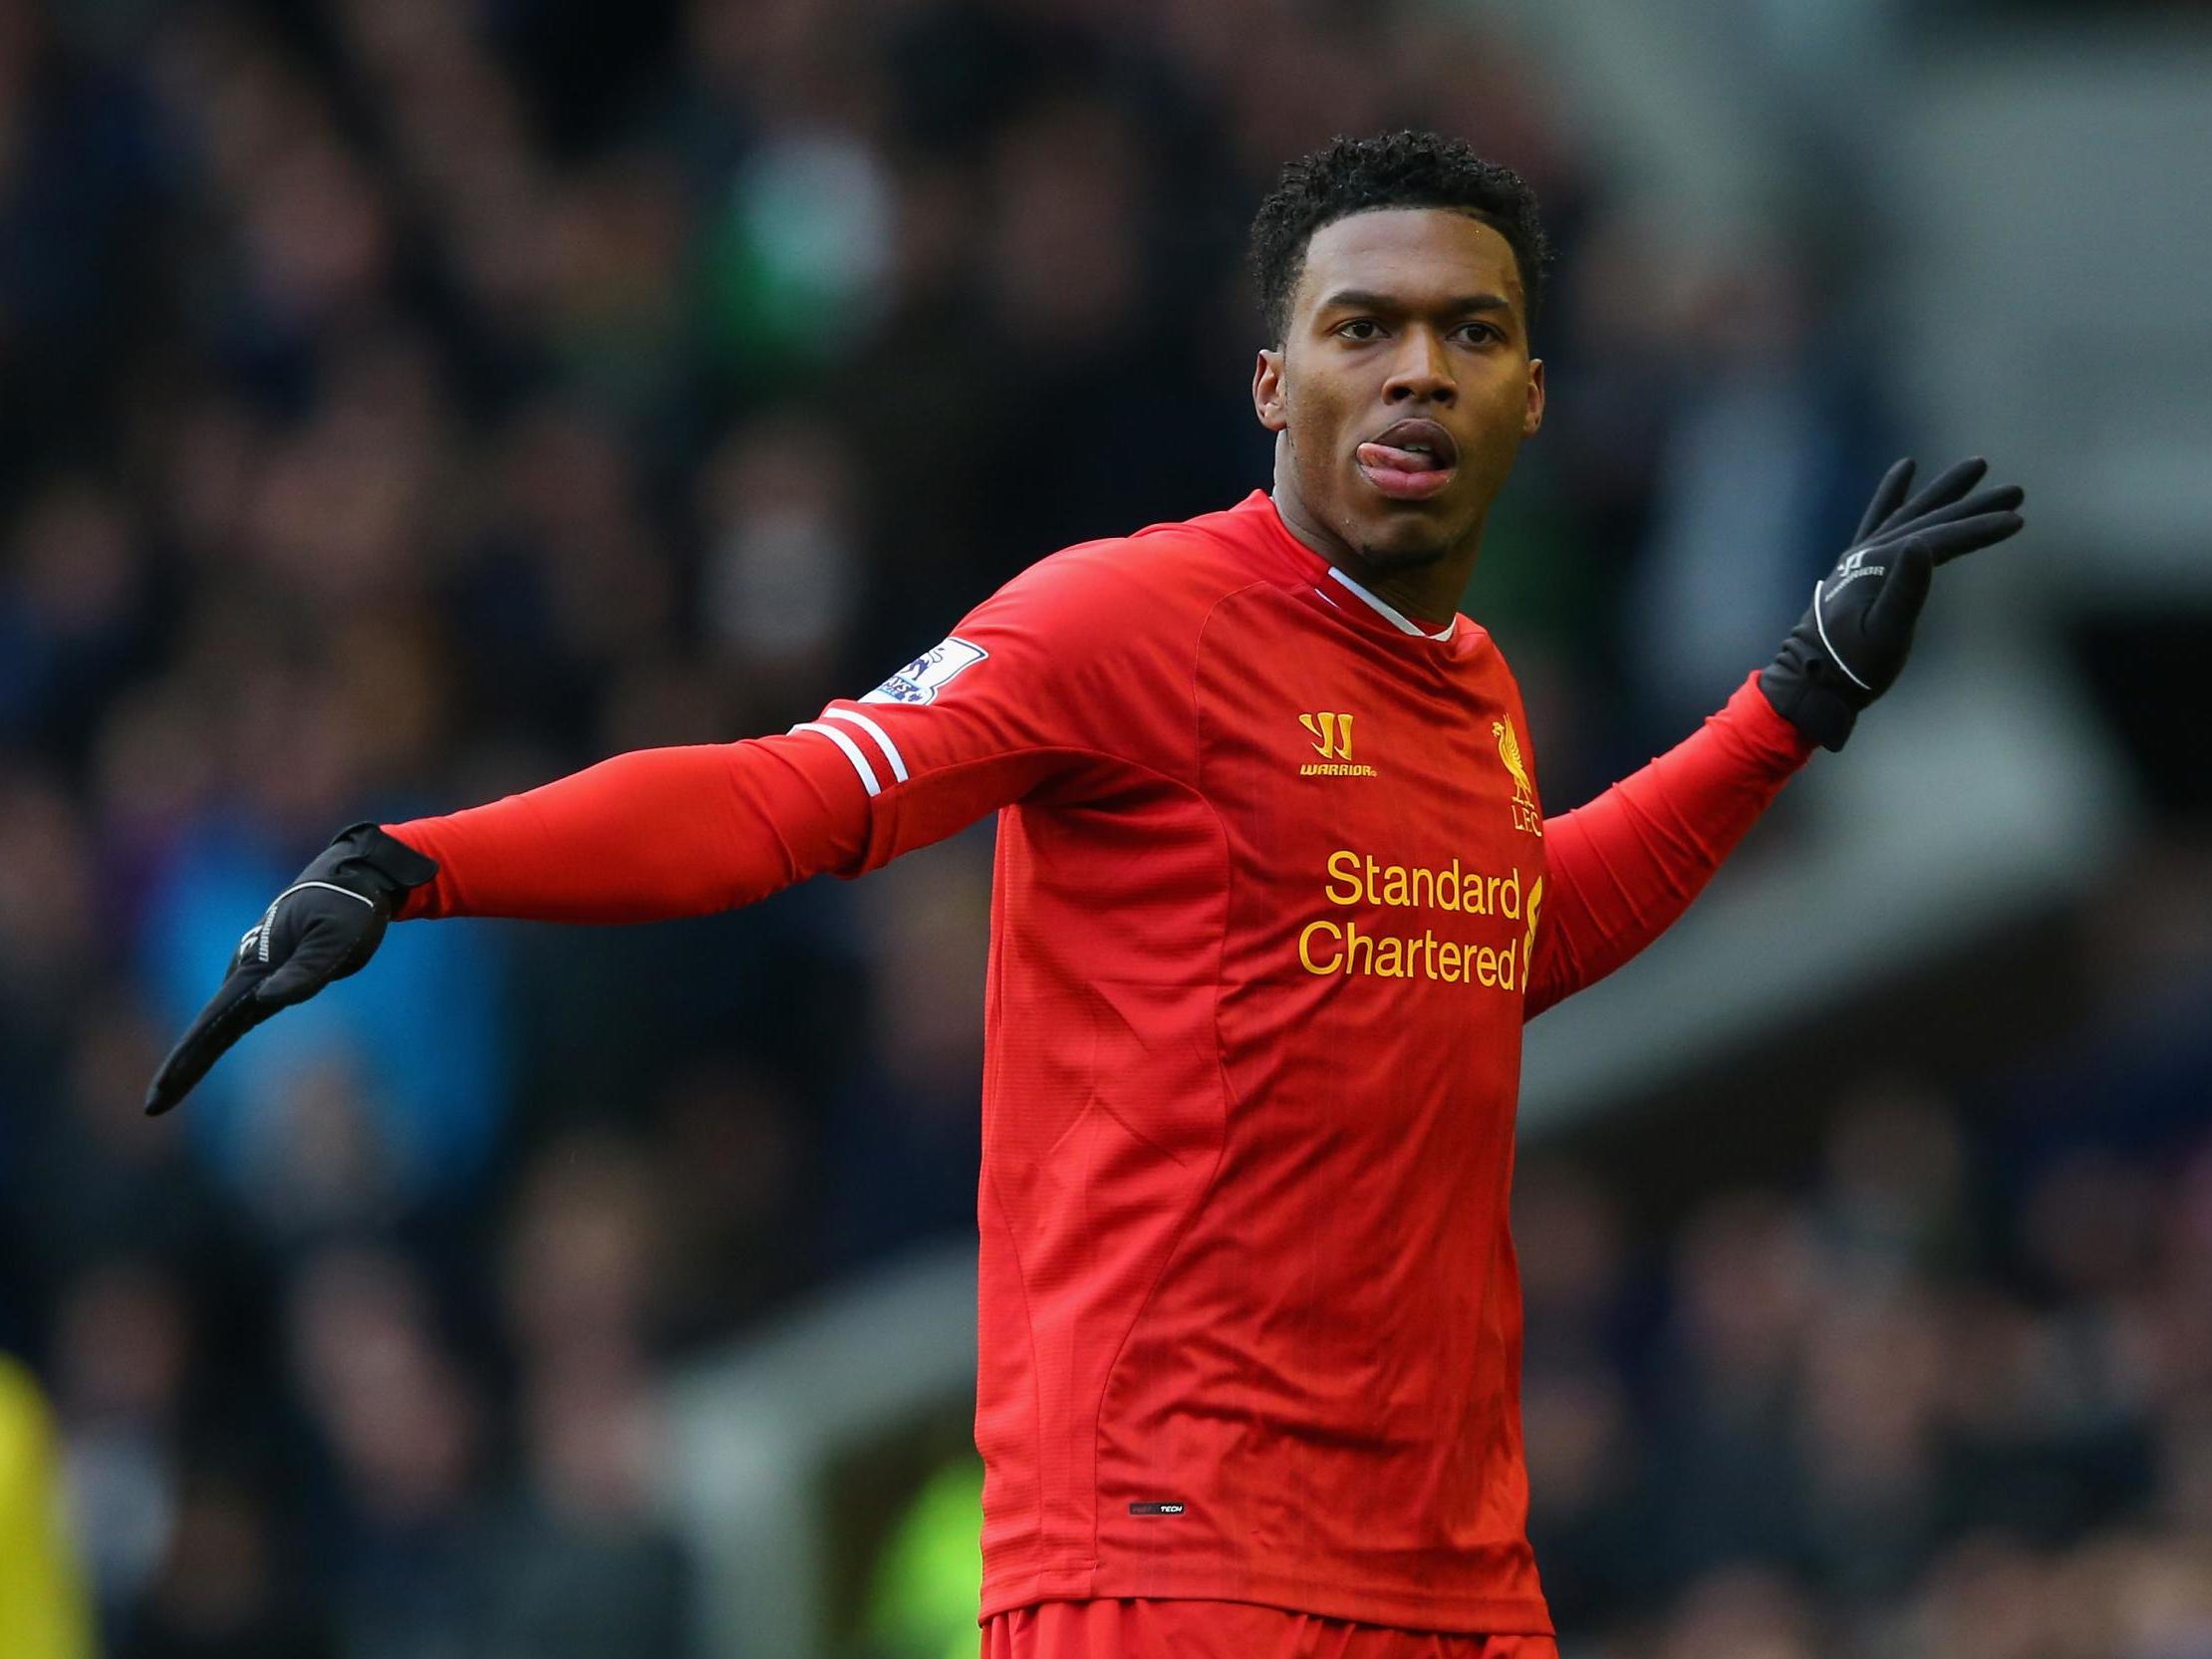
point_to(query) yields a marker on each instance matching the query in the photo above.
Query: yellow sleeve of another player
(43, 1611)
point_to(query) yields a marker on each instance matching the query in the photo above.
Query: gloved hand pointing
(323, 927)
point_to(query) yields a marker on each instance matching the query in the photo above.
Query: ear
(1532, 417)
(1266, 391)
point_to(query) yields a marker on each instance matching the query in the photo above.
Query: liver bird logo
(1525, 814)
(1508, 750)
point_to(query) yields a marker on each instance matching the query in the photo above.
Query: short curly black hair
(1394, 169)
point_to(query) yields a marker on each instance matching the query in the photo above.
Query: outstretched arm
(646, 836)
(1006, 706)
(1624, 867)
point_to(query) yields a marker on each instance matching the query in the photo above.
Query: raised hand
(1852, 643)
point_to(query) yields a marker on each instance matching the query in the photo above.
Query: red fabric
(1270, 883)
(1224, 1630)
(645, 837)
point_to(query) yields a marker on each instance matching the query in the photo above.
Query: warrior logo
(1332, 742)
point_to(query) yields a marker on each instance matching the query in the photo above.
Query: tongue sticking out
(1388, 458)
(1404, 474)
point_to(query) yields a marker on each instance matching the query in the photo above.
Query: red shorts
(1224, 1630)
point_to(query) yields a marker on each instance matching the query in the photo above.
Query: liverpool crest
(1526, 814)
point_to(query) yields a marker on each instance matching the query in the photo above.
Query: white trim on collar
(1404, 624)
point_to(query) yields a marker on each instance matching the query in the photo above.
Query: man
(1274, 894)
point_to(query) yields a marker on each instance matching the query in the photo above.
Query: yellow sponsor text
(1328, 947)
(1360, 879)
(1355, 948)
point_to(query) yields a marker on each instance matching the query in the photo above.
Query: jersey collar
(1397, 618)
(1325, 585)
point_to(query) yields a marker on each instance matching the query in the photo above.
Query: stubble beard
(1392, 560)
(1430, 545)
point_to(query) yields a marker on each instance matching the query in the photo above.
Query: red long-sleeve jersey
(1275, 894)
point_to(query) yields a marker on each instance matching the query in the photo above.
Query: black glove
(1848, 647)
(323, 927)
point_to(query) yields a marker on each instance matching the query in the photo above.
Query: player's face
(1404, 385)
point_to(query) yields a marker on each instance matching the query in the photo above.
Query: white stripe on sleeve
(882, 737)
(852, 753)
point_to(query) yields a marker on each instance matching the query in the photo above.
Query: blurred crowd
(408, 400)
(1947, 1396)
